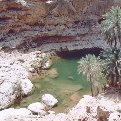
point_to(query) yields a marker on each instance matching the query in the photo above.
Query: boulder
(48, 64)
(51, 112)
(49, 100)
(14, 112)
(23, 2)
(102, 114)
(14, 82)
(37, 108)
(26, 86)
(32, 70)
(53, 73)
(116, 116)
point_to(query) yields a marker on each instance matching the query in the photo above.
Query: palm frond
(90, 65)
(111, 26)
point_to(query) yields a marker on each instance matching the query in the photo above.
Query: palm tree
(91, 67)
(111, 67)
(111, 26)
(111, 29)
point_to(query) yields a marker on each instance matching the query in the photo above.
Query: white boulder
(48, 64)
(14, 79)
(32, 70)
(23, 2)
(14, 112)
(115, 117)
(26, 86)
(51, 112)
(37, 108)
(49, 100)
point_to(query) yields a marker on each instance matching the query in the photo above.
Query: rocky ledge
(64, 24)
(29, 24)
(88, 109)
(14, 74)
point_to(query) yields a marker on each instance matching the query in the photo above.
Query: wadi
(60, 60)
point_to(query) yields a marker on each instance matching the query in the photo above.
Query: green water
(68, 87)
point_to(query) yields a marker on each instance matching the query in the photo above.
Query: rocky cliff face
(34, 22)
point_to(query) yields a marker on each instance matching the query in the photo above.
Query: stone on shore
(52, 73)
(26, 86)
(37, 108)
(14, 112)
(47, 64)
(49, 100)
(116, 116)
(88, 109)
(14, 81)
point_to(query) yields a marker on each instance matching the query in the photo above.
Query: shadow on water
(66, 54)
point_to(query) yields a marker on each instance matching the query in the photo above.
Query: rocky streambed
(89, 108)
(14, 76)
(39, 25)
(14, 69)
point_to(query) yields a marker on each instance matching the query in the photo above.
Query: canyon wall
(31, 23)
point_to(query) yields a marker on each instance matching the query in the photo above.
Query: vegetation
(111, 26)
(91, 67)
(112, 66)
(111, 29)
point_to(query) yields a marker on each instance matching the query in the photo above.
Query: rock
(52, 73)
(70, 77)
(69, 89)
(88, 109)
(76, 88)
(67, 92)
(49, 100)
(37, 108)
(14, 82)
(23, 2)
(51, 112)
(48, 64)
(32, 70)
(102, 114)
(74, 97)
(116, 116)
(26, 86)
(58, 20)
(14, 112)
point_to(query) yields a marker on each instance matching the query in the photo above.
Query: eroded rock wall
(31, 23)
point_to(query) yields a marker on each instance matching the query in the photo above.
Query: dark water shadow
(75, 54)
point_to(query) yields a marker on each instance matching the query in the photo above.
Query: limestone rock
(52, 73)
(37, 108)
(51, 112)
(26, 23)
(88, 109)
(14, 82)
(23, 2)
(14, 112)
(49, 100)
(47, 64)
(26, 86)
(102, 114)
(115, 117)
(32, 70)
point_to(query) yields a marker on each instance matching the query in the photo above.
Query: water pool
(68, 87)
